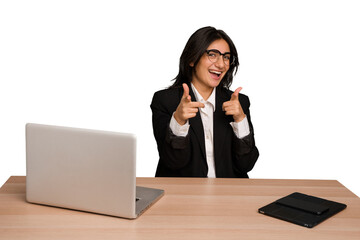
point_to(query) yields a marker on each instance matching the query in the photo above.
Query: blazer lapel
(197, 126)
(221, 126)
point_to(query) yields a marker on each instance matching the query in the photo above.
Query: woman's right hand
(186, 108)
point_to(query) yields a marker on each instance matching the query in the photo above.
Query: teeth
(216, 72)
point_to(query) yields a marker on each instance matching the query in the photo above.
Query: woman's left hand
(233, 106)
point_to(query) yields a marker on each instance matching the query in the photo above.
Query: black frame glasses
(214, 55)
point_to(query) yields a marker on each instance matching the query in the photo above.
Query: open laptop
(87, 170)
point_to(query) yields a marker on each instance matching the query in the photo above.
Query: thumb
(235, 95)
(186, 90)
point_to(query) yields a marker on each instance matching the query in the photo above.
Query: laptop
(304, 210)
(87, 170)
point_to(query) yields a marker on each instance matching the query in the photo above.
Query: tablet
(302, 209)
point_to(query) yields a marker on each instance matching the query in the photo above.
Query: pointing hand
(186, 108)
(233, 106)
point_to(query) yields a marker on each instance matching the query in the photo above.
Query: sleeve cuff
(177, 129)
(241, 129)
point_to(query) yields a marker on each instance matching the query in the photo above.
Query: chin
(215, 83)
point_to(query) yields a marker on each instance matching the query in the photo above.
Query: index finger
(197, 105)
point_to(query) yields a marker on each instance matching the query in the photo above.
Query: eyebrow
(218, 51)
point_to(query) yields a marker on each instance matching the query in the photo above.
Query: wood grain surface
(192, 208)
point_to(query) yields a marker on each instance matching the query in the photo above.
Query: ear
(191, 64)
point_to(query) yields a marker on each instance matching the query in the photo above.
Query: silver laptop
(87, 170)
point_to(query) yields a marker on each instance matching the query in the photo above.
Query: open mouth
(216, 74)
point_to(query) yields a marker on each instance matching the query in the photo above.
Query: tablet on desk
(302, 209)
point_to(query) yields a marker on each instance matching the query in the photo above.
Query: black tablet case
(302, 209)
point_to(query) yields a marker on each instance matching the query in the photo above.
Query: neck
(204, 91)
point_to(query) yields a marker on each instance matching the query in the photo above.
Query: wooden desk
(190, 209)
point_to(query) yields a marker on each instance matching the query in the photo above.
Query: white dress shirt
(241, 129)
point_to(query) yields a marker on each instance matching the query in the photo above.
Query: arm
(174, 150)
(244, 150)
(245, 153)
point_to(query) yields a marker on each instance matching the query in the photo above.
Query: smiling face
(207, 75)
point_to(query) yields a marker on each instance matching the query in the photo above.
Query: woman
(203, 129)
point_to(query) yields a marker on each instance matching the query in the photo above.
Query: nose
(220, 62)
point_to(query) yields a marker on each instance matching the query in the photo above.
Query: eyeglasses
(214, 55)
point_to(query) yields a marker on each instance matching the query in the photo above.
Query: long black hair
(196, 46)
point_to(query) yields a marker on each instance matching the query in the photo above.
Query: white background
(96, 64)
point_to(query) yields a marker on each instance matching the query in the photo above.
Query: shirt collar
(199, 98)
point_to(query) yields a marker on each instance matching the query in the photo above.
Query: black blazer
(186, 156)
